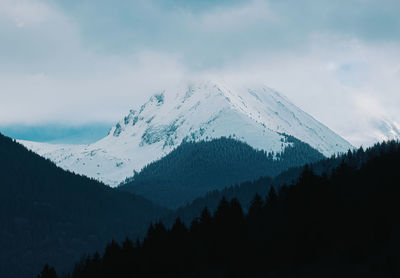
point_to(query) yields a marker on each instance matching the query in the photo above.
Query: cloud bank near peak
(76, 62)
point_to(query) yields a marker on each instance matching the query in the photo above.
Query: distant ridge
(195, 168)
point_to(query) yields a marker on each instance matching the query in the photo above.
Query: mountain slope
(383, 129)
(341, 224)
(245, 191)
(193, 169)
(373, 129)
(198, 111)
(49, 215)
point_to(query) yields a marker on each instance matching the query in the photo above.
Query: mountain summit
(197, 111)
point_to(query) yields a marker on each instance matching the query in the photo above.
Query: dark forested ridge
(344, 224)
(49, 215)
(195, 168)
(245, 191)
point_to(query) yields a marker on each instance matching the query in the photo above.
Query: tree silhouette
(48, 272)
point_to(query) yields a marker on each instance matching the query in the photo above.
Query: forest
(245, 191)
(195, 168)
(50, 215)
(54, 216)
(338, 223)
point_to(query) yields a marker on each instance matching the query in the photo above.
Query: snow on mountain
(373, 129)
(198, 111)
(386, 129)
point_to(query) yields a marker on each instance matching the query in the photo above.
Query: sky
(69, 65)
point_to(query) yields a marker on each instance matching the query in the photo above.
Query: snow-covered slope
(385, 129)
(198, 111)
(374, 129)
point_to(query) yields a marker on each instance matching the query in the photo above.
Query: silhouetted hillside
(49, 215)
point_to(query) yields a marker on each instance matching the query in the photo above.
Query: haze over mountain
(78, 62)
(377, 130)
(199, 110)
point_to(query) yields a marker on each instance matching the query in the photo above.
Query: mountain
(198, 111)
(374, 129)
(245, 191)
(194, 168)
(50, 215)
(386, 129)
(341, 224)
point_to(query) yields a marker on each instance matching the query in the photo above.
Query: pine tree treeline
(343, 224)
(245, 191)
(195, 168)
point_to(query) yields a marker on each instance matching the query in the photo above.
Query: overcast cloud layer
(77, 62)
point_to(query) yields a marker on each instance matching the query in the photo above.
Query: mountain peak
(195, 107)
(200, 110)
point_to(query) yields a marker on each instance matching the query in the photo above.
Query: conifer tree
(271, 198)
(256, 206)
(48, 272)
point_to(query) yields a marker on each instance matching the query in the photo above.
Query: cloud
(346, 84)
(24, 12)
(103, 95)
(77, 62)
(214, 32)
(47, 74)
(36, 37)
(236, 19)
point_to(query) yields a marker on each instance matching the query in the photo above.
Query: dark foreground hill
(49, 215)
(193, 169)
(339, 224)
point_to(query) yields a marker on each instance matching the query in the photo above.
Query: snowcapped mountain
(198, 111)
(385, 129)
(374, 129)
